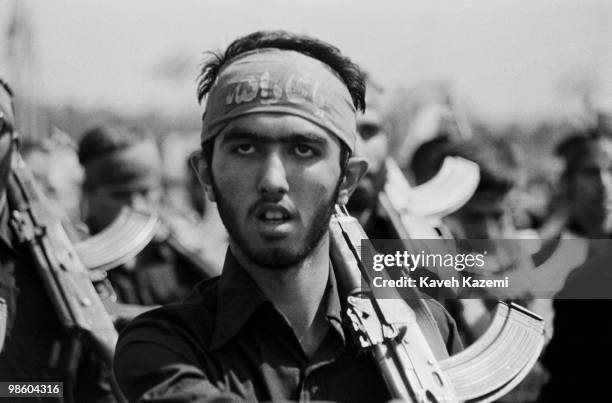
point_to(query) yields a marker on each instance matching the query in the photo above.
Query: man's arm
(156, 363)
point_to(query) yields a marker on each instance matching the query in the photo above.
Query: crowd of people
(251, 310)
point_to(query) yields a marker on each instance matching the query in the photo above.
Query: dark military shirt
(228, 342)
(36, 347)
(155, 278)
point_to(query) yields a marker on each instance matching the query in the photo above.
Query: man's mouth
(272, 214)
(273, 221)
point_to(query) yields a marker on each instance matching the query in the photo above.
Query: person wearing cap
(490, 214)
(123, 167)
(34, 346)
(277, 138)
(582, 307)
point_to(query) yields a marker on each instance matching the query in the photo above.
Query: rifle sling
(424, 316)
(429, 327)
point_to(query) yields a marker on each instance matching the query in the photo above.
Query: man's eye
(245, 149)
(304, 151)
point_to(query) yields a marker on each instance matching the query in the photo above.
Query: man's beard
(277, 258)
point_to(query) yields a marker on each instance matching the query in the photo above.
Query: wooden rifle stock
(388, 327)
(66, 280)
(403, 338)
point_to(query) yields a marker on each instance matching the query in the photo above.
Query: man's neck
(297, 291)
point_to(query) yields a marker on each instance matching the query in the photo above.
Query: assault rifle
(123, 239)
(133, 230)
(65, 277)
(403, 338)
(415, 212)
(184, 237)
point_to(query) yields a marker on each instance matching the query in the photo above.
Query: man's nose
(273, 177)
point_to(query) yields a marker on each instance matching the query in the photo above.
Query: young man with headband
(278, 133)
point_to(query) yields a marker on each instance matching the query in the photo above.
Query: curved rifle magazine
(500, 358)
(445, 193)
(121, 241)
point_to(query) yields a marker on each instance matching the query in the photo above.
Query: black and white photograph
(305, 201)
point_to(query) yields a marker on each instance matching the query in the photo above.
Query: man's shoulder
(194, 319)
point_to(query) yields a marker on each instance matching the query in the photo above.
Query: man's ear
(356, 167)
(203, 171)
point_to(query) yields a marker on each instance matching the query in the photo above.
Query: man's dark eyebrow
(240, 134)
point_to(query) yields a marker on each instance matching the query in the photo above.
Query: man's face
(105, 202)
(374, 146)
(590, 190)
(486, 216)
(275, 179)
(7, 123)
(135, 182)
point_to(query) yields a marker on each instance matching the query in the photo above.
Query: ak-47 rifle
(183, 236)
(65, 277)
(133, 230)
(415, 212)
(123, 239)
(404, 340)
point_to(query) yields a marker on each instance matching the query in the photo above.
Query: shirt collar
(239, 296)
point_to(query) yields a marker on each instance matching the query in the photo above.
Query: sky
(506, 59)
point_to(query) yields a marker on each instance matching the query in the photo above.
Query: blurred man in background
(123, 167)
(37, 348)
(373, 145)
(582, 329)
(55, 165)
(490, 214)
(587, 184)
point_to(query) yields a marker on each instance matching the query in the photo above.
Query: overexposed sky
(507, 59)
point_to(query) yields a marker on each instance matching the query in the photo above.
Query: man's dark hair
(348, 71)
(104, 140)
